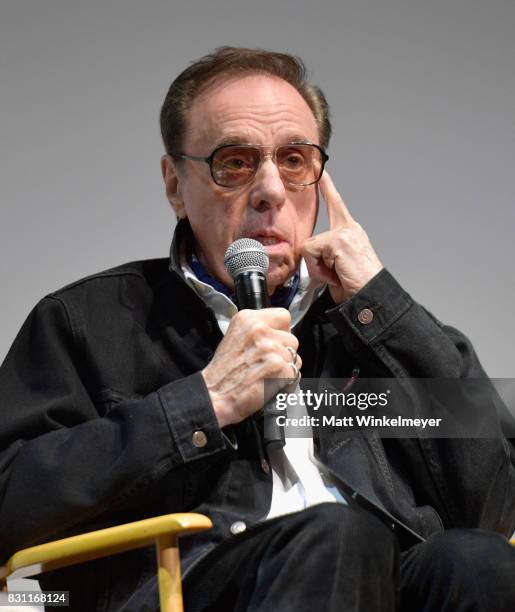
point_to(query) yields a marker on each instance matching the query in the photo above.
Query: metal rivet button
(238, 527)
(199, 439)
(365, 316)
(265, 466)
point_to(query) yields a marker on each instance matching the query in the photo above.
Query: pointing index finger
(337, 210)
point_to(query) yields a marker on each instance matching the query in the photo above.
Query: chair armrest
(102, 543)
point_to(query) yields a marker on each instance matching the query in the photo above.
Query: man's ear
(172, 186)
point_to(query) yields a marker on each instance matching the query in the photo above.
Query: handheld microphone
(247, 262)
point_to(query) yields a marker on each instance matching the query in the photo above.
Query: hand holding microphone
(258, 344)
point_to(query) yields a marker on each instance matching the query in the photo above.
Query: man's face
(255, 109)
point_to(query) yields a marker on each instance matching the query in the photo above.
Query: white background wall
(423, 107)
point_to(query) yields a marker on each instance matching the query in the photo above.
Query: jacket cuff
(367, 314)
(191, 418)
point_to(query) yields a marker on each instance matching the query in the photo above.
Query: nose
(267, 189)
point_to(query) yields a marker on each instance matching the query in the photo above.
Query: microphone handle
(252, 293)
(251, 290)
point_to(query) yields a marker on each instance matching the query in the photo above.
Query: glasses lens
(300, 164)
(232, 166)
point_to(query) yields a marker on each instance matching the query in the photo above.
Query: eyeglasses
(232, 165)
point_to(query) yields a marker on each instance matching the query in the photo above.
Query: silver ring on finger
(293, 353)
(296, 371)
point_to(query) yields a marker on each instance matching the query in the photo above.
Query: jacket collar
(182, 240)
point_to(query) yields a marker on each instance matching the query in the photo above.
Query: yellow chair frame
(162, 531)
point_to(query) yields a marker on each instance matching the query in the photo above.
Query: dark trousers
(333, 558)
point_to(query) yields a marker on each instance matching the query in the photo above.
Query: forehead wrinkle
(271, 113)
(214, 129)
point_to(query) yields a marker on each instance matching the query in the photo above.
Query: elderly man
(137, 391)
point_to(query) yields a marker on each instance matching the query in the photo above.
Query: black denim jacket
(101, 392)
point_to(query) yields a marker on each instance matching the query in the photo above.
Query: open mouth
(268, 240)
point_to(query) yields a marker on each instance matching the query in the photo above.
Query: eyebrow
(244, 139)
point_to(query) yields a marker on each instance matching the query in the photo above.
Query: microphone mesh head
(245, 254)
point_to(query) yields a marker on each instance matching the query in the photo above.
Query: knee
(473, 555)
(459, 569)
(471, 549)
